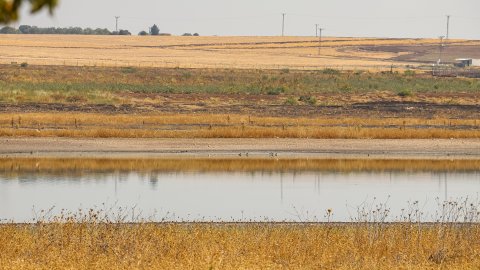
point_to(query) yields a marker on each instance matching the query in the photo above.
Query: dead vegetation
(98, 239)
(11, 166)
(230, 126)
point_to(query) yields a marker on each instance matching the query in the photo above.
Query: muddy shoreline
(241, 148)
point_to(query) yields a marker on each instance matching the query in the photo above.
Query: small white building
(467, 62)
(463, 62)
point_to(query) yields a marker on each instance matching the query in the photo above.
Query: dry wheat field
(224, 52)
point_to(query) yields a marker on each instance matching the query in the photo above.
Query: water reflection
(286, 194)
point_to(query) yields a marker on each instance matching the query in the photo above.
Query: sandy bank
(302, 148)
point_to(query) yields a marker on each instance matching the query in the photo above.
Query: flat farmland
(225, 52)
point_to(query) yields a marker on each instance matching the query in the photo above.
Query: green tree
(154, 30)
(143, 33)
(9, 9)
(8, 30)
(124, 33)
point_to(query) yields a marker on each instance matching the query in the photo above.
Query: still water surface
(227, 196)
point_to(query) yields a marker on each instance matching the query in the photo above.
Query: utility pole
(441, 50)
(448, 26)
(316, 30)
(116, 23)
(283, 24)
(320, 40)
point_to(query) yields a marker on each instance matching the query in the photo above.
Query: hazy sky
(375, 18)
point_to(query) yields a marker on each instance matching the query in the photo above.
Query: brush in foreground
(90, 245)
(96, 239)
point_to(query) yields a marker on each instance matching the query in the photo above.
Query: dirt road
(278, 148)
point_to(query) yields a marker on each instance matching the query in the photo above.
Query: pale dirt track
(278, 148)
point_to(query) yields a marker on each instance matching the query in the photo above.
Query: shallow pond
(176, 190)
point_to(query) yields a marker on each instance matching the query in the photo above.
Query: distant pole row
(319, 30)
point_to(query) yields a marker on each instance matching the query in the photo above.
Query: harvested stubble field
(224, 52)
(215, 103)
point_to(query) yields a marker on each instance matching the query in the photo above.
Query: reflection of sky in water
(241, 195)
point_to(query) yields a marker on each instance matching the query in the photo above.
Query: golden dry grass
(229, 126)
(201, 52)
(97, 245)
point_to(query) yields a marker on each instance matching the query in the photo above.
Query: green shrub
(405, 93)
(409, 72)
(331, 71)
(24, 64)
(291, 101)
(308, 100)
(129, 70)
(276, 91)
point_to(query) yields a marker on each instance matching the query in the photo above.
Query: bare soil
(427, 53)
(269, 148)
(390, 109)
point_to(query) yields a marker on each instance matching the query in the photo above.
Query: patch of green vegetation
(405, 93)
(311, 100)
(291, 101)
(276, 91)
(186, 75)
(331, 71)
(409, 72)
(40, 83)
(129, 70)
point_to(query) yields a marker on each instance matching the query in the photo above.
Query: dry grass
(67, 120)
(256, 132)
(199, 52)
(230, 126)
(97, 245)
(67, 165)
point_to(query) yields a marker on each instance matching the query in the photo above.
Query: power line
(441, 50)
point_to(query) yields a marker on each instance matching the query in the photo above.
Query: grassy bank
(91, 244)
(217, 103)
(108, 85)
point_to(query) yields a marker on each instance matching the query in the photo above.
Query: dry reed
(230, 126)
(87, 240)
(67, 165)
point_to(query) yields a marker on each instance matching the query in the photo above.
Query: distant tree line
(27, 29)
(155, 31)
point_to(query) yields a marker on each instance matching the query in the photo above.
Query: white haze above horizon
(368, 18)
